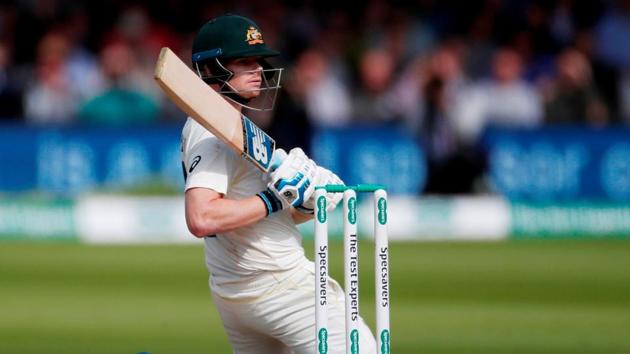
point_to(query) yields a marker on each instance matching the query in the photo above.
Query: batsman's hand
(291, 183)
(322, 178)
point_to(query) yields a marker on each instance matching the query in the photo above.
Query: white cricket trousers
(284, 320)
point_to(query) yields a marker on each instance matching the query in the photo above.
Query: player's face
(247, 76)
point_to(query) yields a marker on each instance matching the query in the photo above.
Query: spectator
(52, 98)
(10, 91)
(504, 100)
(441, 85)
(373, 100)
(145, 38)
(561, 25)
(452, 169)
(613, 49)
(290, 125)
(624, 92)
(479, 43)
(327, 99)
(394, 29)
(82, 65)
(572, 97)
(612, 35)
(401, 32)
(120, 104)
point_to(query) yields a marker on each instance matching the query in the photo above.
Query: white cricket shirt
(244, 263)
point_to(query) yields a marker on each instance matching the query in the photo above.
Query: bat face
(212, 111)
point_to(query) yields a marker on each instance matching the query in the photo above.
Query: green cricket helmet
(230, 37)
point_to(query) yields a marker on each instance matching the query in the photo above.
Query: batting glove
(322, 178)
(290, 183)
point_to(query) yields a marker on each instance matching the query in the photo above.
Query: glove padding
(292, 182)
(322, 178)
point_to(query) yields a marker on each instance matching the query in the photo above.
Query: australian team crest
(254, 36)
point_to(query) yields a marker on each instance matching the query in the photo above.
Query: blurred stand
(452, 160)
(123, 102)
(374, 101)
(571, 96)
(53, 97)
(506, 99)
(612, 51)
(289, 123)
(10, 90)
(327, 100)
(431, 76)
(143, 38)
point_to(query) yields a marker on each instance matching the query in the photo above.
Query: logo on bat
(259, 146)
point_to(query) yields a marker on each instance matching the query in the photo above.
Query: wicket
(351, 266)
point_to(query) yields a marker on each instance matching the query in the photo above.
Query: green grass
(508, 297)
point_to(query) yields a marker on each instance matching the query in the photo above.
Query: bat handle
(276, 160)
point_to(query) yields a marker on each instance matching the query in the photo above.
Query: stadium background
(503, 121)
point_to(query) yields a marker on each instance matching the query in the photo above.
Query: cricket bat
(213, 112)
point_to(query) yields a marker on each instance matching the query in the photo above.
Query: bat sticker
(259, 146)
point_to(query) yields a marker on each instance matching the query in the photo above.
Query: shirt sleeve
(206, 165)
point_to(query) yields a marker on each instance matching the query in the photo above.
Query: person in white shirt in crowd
(506, 99)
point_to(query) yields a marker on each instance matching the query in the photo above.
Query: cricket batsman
(261, 282)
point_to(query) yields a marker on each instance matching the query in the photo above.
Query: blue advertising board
(72, 160)
(560, 163)
(77, 159)
(541, 165)
(373, 154)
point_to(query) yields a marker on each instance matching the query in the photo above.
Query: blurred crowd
(441, 70)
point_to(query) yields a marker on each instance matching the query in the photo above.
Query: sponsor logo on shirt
(194, 163)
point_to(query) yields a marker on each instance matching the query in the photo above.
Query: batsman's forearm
(299, 218)
(225, 215)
